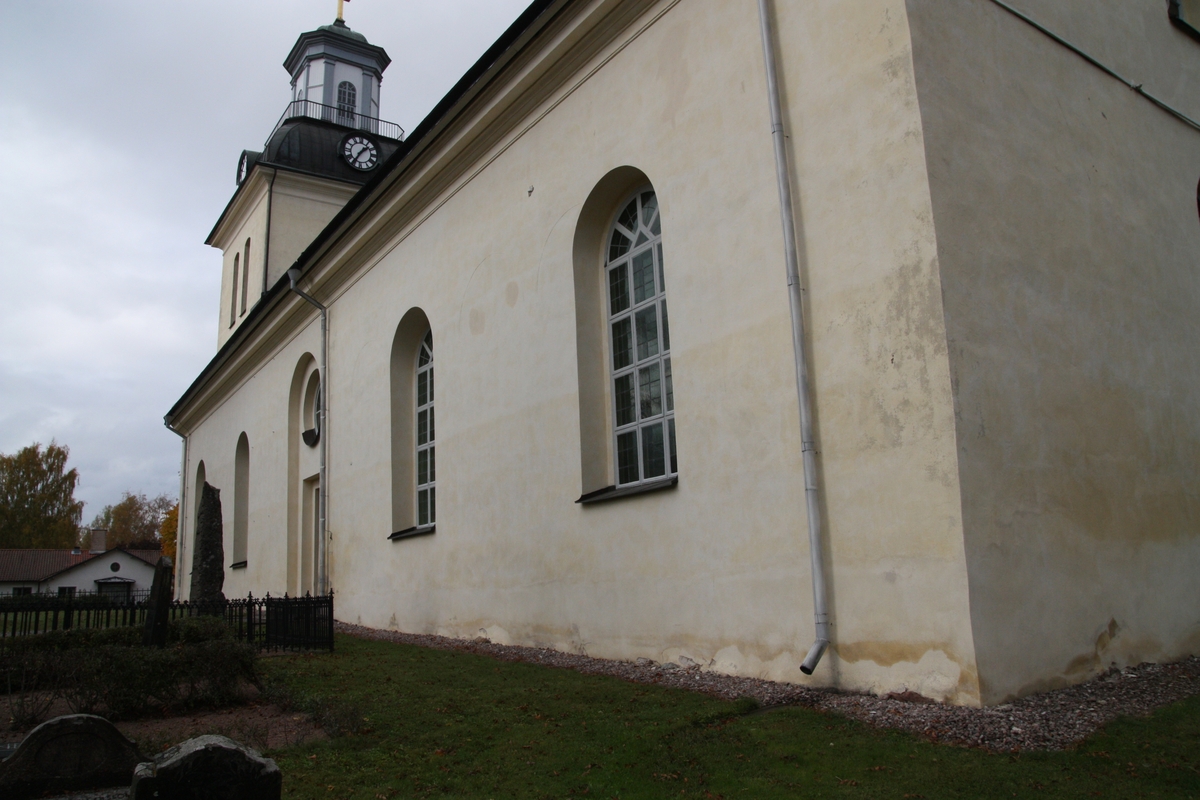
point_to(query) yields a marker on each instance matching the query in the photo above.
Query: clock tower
(326, 145)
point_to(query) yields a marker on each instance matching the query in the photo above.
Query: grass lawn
(445, 724)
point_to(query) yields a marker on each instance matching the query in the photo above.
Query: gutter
(1173, 12)
(812, 495)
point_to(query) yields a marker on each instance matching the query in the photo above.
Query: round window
(115, 567)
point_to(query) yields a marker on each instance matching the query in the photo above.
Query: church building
(847, 344)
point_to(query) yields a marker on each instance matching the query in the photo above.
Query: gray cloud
(120, 128)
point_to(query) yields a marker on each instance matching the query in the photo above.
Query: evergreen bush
(109, 671)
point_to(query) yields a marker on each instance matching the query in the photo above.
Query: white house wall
(84, 576)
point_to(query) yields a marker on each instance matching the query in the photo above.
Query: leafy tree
(168, 532)
(37, 498)
(134, 522)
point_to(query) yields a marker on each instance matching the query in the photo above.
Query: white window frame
(639, 369)
(347, 108)
(425, 434)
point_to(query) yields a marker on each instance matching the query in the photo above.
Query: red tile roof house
(116, 571)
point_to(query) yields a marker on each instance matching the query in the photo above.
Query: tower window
(347, 101)
(234, 294)
(245, 275)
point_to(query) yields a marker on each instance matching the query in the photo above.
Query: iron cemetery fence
(268, 623)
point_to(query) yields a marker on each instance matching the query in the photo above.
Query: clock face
(360, 152)
(243, 168)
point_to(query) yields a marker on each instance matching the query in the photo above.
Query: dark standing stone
(207, 768)
(158, 615)
(72, 753)
(208, 562)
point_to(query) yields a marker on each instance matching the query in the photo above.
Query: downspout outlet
(814, 655)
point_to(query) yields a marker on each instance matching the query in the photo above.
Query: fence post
(331, 620)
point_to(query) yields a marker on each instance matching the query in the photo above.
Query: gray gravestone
(158, 615)
(208, 562)
(72, 753)
(207, 768)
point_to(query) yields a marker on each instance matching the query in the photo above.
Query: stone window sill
(410, 533)
(238, 565)
(613, 493)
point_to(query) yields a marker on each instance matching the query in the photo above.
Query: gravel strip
(1048, 721)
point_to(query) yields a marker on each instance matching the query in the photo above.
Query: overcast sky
(121, 123)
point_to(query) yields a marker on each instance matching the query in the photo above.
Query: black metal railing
(340, 115)
(268, 623)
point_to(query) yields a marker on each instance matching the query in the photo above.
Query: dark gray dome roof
(343, 29)
(340, 43)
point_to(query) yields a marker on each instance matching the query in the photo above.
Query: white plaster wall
(1065, 207)
(884, 410)
(301, 207)
(716, 570)
(249, 222)
(316, 80)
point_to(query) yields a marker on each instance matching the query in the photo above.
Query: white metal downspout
(322, 577)
(803, 390)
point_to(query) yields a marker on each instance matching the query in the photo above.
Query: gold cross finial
(340, 9)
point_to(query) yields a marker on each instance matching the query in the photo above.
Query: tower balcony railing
(339, 115)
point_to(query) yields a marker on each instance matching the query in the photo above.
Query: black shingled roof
(314, 146)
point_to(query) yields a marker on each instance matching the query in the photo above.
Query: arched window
(241, 500)
(412, 427)
(640, 341)
(426, 471)
(234, 294)
(303, 476)
(245, 275)
(311, 418)
(347, 101)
